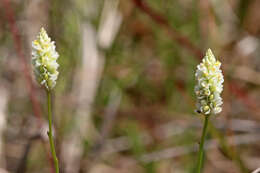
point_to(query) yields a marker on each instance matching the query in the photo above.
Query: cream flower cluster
(209, 85)
(44, 58)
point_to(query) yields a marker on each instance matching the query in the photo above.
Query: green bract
(209, 85)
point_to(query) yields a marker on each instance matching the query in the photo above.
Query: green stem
(55, 159)
(202, 140)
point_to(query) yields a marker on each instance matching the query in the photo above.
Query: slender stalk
(201, 149)
(55, 159)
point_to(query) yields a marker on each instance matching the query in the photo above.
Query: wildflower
(209, 85)
(44, 58)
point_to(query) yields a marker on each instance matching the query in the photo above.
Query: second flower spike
(209, 85)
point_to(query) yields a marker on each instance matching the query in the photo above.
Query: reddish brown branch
(26, 70)
(161, 20)
(196, 51)
(243, 95)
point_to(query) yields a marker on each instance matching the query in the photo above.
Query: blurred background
(124, 100)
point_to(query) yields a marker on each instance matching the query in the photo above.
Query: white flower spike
(44, 57)
(209, 85)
